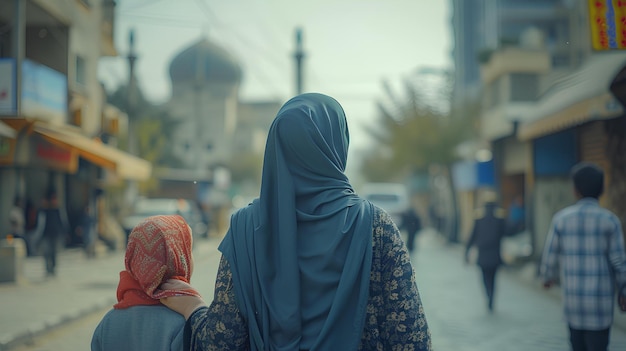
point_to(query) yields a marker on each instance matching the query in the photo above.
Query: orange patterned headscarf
(159, 248)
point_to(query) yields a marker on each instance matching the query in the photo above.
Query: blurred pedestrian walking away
(86, 229)
(487, 233)
(159, 248)
(412, 224)
(53, 226)
(586, 244)
(309, 265)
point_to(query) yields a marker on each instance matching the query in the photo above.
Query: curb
(36, 330)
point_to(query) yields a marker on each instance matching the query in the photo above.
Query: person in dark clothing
(86, 229)
(54, 227)
(487, 233)
(412, 224)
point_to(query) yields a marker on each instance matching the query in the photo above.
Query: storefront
(566, 126)
(45, 155)
(470, 178)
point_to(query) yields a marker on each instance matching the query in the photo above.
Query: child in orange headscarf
(159, 248)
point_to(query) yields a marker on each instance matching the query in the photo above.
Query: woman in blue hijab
(309, 265)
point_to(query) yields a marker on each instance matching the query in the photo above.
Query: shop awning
(6, 131)
(126, 166)
(578, 98)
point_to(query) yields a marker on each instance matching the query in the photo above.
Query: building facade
(51, 98)
(547, 107)
(217, 135)
(483, 26)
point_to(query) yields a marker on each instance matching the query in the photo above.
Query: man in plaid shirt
(587, 244)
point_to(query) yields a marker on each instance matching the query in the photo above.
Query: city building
(482, 26)
(56, 108)
(547, 106)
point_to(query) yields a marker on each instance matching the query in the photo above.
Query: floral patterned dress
(395, 316)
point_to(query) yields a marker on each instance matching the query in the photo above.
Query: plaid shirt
(587, 243)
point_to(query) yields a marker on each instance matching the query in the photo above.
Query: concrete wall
(551, 194)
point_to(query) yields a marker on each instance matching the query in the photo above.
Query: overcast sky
(350, 45)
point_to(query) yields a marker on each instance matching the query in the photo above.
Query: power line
(164, 21)
(169, 21)
(210, 16)
(140, 5)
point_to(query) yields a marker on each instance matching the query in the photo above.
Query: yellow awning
(603, 106)
(125, 165)
(578, 98)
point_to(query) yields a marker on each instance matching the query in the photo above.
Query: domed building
(205, 87)
(216, 130)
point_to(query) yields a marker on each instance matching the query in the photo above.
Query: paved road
(526, 317)
(76, 335)
(81, 290)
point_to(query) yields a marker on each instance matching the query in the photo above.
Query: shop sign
(47, 155)
(8, 98)
(44, 92)
(607, 19)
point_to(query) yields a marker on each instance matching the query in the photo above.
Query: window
(524, 87)
(81, 70)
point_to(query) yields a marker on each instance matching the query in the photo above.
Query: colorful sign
(44, 154)
(8, 98)
(607, 19)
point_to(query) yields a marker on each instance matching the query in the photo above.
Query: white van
(391, 197)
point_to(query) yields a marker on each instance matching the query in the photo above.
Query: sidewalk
(526, 317)
(526, 274)
(37, 304)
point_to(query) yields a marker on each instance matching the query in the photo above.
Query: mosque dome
(205, 60)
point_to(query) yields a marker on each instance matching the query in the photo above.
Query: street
(76, 335)
(525, 317)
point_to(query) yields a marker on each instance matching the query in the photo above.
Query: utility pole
(18, 52)
(199, 140)
(132, 190)
(299, 56)
(19, 40)
(131, 101)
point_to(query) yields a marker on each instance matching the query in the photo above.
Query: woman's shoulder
(384, 230)
(247, 209)
(381, 217)
(245, 212)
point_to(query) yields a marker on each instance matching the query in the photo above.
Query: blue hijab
(301, 253)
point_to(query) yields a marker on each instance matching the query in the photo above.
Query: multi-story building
(52, 100)
(482, 26)
(547, 105)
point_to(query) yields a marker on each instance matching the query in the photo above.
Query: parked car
(146, 207)
(391, 197)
